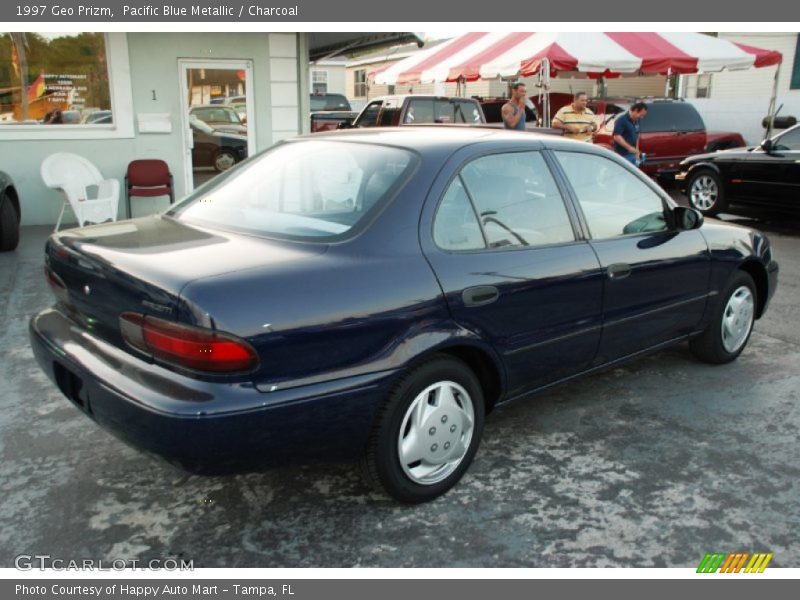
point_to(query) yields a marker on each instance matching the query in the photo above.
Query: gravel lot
(653, 464)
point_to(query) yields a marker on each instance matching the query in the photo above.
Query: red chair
(148, 178)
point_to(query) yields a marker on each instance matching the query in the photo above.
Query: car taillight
(187, 346)
(56, 284)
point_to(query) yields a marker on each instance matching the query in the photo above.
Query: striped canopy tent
(474, 56)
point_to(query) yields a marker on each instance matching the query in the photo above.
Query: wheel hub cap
(737, 319)
(436, 432)
(704, 192)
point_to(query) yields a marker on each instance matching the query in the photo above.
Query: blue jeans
(630, 157)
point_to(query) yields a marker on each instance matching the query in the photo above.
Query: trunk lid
(142, 265)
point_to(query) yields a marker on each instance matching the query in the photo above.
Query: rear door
(503, 245)
(656, 280)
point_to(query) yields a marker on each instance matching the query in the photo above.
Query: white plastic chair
(72, 175)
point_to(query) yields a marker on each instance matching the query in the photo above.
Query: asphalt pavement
(652, 464)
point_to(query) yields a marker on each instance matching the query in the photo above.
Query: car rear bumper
(202, 426)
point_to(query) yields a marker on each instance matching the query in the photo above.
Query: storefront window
(54, 79)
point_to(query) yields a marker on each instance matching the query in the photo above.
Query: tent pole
(666, 83)
(773, 101)
(545, 71)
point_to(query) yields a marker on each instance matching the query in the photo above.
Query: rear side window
(456, 226)
(310, 189)
(516, 201)
(671, 116)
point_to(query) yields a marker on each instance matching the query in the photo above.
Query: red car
(671, 131)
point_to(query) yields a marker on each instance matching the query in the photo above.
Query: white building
(143, 84)
(739, 100)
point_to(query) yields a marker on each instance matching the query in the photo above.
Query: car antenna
(770, 121)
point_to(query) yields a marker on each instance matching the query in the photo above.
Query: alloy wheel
(704, 192)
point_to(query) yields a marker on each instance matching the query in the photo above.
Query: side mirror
(686, 218)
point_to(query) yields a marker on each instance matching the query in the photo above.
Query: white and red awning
(474, 56)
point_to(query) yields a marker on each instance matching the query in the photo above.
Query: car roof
(429, 137)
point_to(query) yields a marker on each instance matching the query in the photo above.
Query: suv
(671, 131)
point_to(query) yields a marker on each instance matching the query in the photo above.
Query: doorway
(217, 118)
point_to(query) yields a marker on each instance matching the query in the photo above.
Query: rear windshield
(671, 116)
(310, 189)
(329, 102)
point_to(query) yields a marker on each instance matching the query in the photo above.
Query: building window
(390, 89)
(795, 83)
(360, 86)
(54, 79)
(319, 82)
(703, 86)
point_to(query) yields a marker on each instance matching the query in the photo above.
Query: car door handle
(480, 295)
(618, 271)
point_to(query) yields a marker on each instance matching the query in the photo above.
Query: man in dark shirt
(626, 132)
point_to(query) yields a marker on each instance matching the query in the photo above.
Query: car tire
(224, 160)
(9, 224)
(731, 324)
(441, 400)
(705, 192)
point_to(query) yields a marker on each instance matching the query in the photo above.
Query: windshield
(308, 189)
(329, 102)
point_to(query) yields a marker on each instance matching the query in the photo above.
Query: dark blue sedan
(375, 294)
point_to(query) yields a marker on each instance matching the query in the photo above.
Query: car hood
(729, 154)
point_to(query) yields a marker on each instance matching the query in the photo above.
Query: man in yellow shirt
(576, 119)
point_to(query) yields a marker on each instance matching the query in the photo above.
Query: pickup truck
(671, 131)
(330, 111)
(406, 109)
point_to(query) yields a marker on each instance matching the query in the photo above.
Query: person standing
(513, 111)
(576, 120)
(626, 133)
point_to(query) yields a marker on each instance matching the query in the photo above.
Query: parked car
(215, 148)
(9, 214)
(98, 117)
(374, 294)
(671, 131)
(767, 174)
(220, 117)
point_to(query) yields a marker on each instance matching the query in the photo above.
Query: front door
(505, 252)
(218, 119)
(773, 176)
(656, 279)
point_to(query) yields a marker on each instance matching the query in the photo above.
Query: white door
(218, 116)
